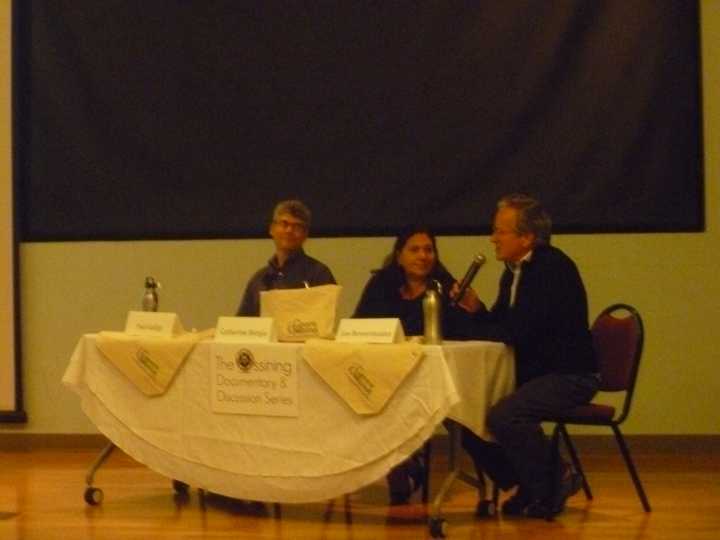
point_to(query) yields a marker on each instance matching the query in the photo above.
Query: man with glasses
(541, 311)
(289, 267)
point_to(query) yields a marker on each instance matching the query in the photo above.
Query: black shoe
(417, 471)
(516, 505)
(398, 498)
(555, 504)
(399, 484)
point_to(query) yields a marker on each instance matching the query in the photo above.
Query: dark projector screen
(161, 119)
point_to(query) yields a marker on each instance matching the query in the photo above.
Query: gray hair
(532, 216)
(295, 208)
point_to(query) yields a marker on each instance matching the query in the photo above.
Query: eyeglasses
(294, 226)
(503, 232)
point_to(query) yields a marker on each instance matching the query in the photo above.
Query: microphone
(472, 270)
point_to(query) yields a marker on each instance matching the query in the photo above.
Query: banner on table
(255, 379)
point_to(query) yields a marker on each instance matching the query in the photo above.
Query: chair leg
(496, 497)
(427, 454)
(555, 464)
(575, 460)
(631, 468)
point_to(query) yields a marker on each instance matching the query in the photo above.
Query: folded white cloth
(149, 362)
(365, 376)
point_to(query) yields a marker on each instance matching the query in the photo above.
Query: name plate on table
(245, 330)
(370, 331)
(257, 380)
(153, 323)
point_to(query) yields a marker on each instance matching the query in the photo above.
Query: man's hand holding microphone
(462, 294)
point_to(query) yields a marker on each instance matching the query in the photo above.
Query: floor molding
(18, 442)
(650, 443)
(645, 444)
(15, 441)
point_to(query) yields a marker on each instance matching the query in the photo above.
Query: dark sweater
(548, 324)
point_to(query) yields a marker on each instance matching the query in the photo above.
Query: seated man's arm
(250, 304)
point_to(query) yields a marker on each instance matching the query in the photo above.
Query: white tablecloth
(326, 451)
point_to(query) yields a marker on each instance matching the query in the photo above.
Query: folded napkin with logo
(365, 376)
(149, 362)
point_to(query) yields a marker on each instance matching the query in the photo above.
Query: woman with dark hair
(397, 290)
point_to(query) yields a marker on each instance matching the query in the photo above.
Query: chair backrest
(618, 340)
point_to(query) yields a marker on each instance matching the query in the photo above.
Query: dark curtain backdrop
(190, 119)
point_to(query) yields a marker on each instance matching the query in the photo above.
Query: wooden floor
(41, 497)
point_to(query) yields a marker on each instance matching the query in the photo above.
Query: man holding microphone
(541, 311)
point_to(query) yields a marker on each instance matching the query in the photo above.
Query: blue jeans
(523, 454)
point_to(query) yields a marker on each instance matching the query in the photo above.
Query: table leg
(94, 496)
(437, 523)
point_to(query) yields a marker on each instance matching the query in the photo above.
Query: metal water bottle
(150, 297)
(432, 314)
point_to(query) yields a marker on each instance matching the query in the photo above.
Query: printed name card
(153, 323)
(370, 331)
(255, 379)
(245, 330)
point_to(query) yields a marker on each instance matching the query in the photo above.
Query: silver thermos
(150, 297)
(432, 314)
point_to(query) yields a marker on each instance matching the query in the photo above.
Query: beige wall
(71, 288)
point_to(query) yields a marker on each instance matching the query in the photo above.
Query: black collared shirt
(299, 271)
